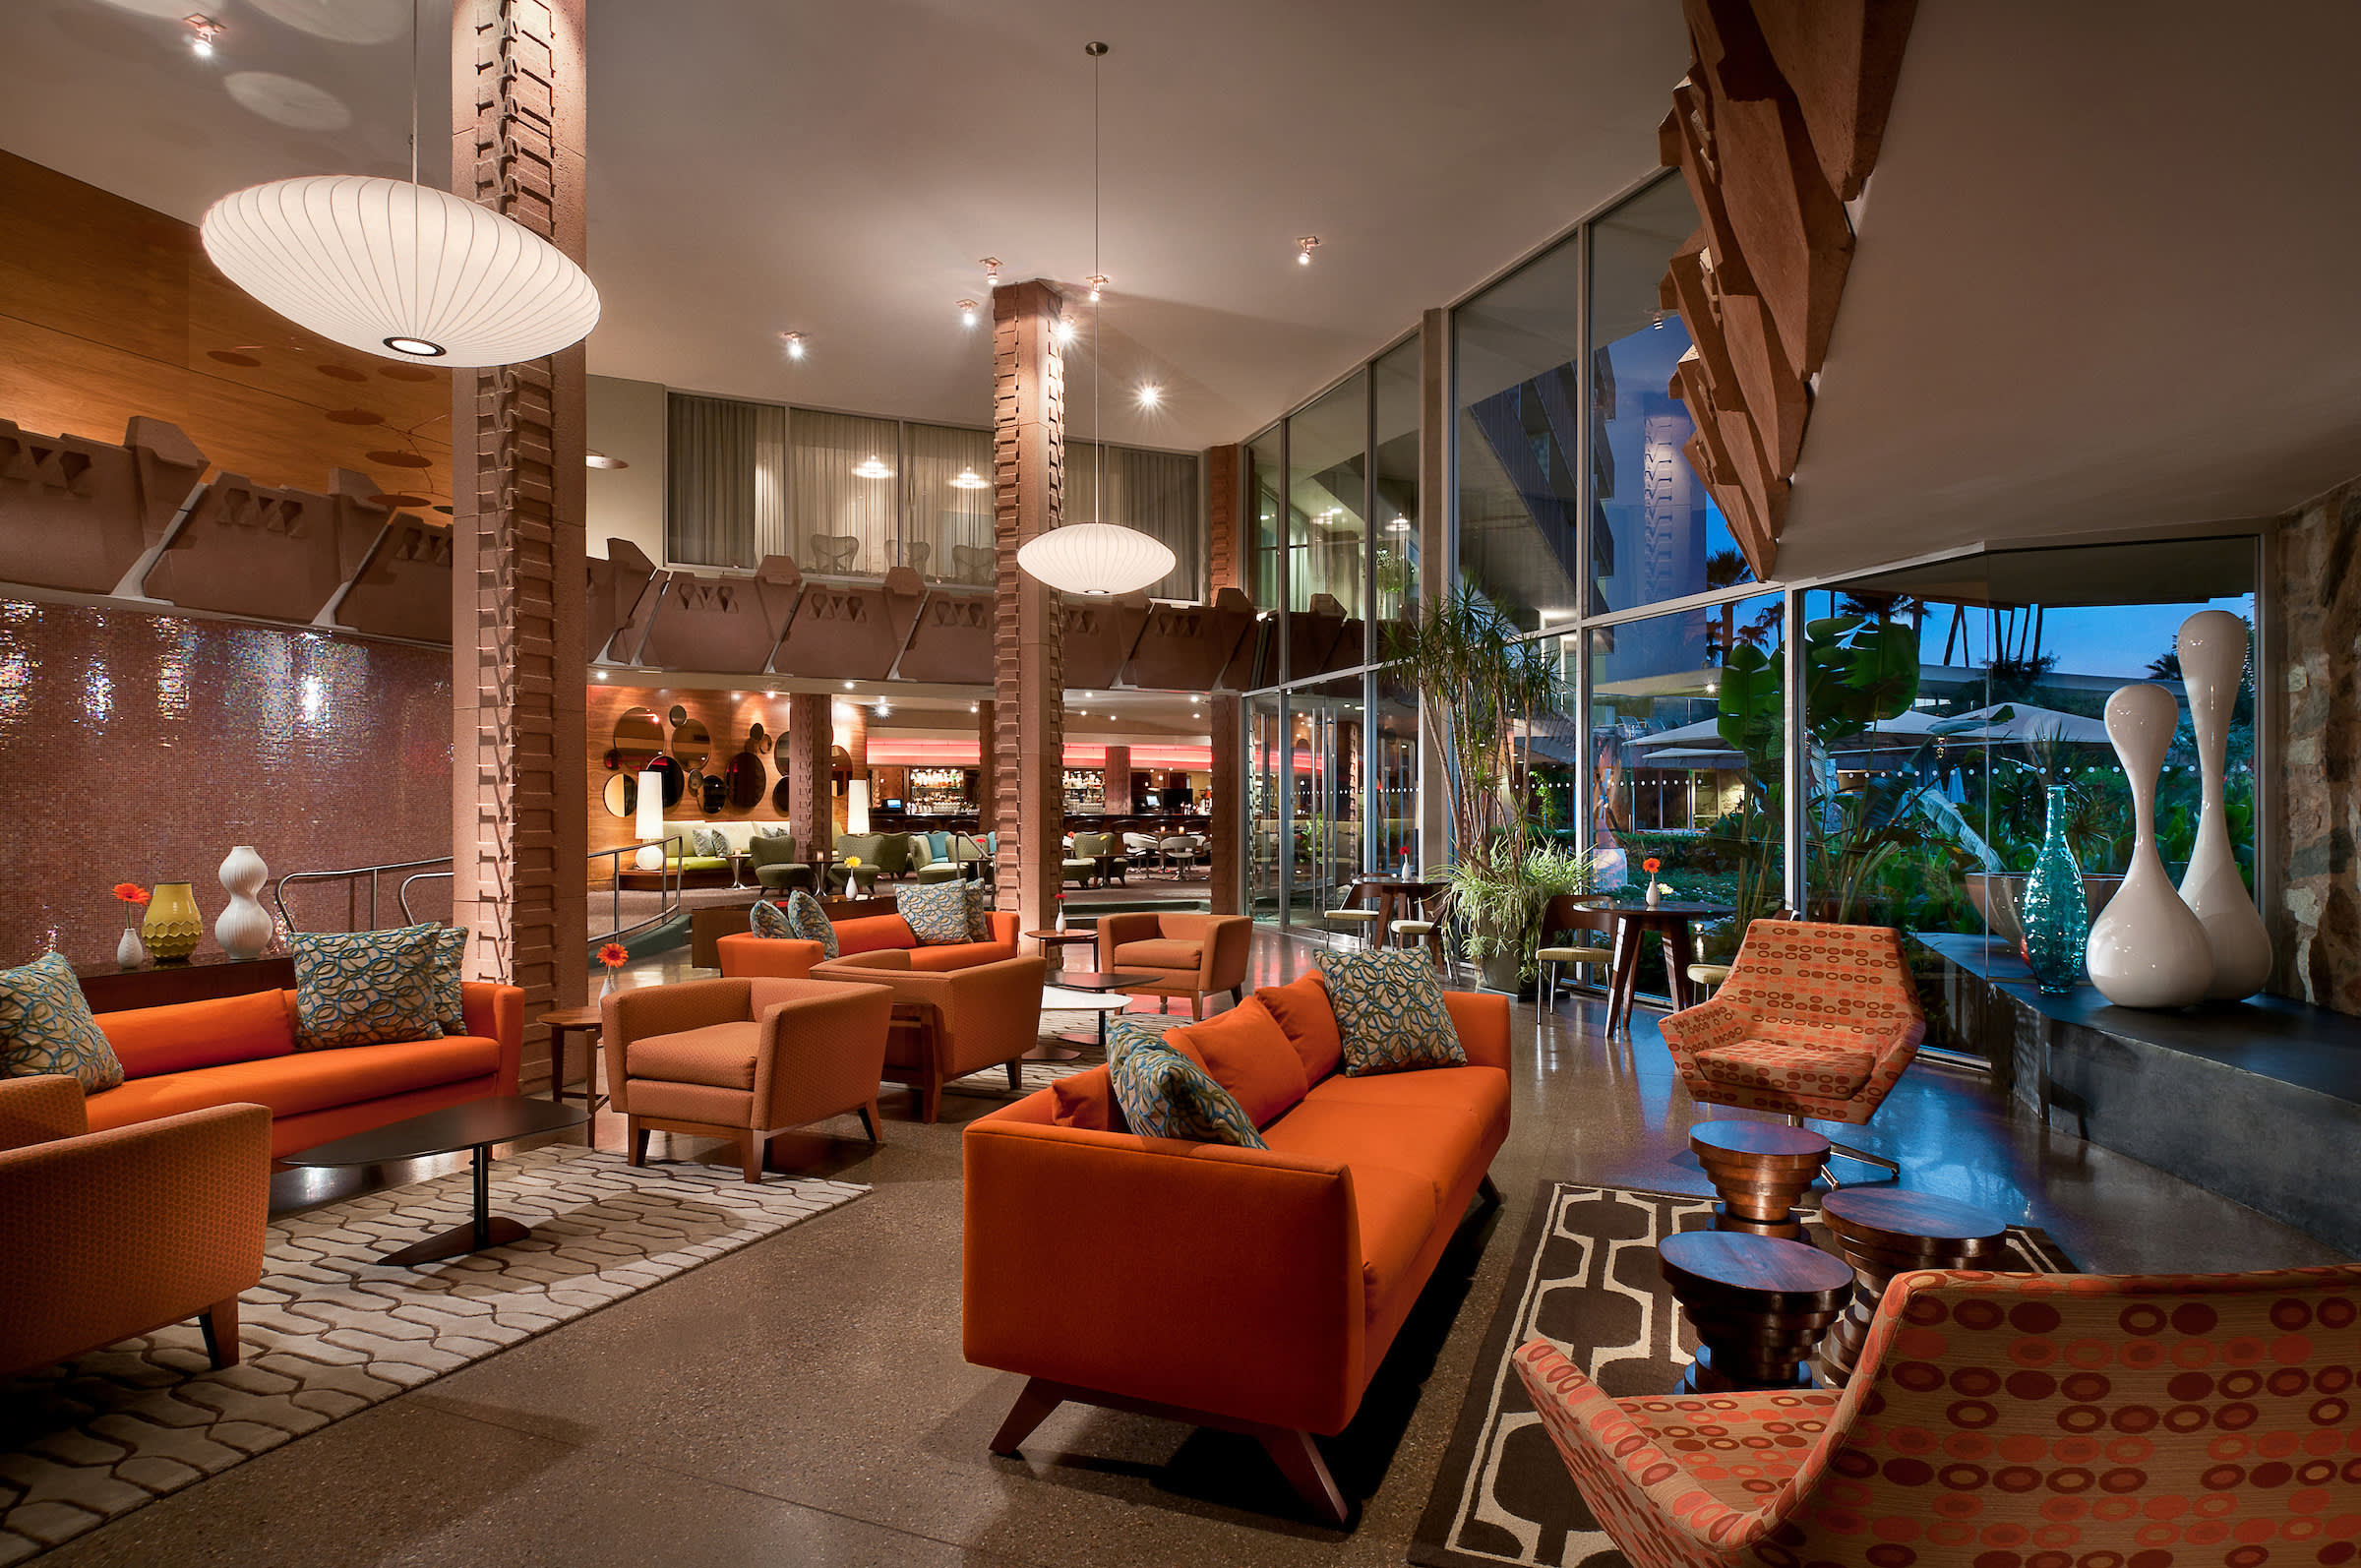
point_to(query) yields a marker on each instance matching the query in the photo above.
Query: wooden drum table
(1885, 1233)
(1760, 1169)
(1759, 1306)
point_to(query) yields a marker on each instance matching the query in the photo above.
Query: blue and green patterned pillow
(710, 841)
(1165, 1095)
(451, 958)
(768, 918)
(46, 1027)
(1389, 1010)
(936, 912)
(806, 918)
(979, 910)
(365, 988)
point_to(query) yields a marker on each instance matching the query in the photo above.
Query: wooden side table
(1672, 922)
(1759, 1305)
(588, 1022)
(1055, 941)
(1760, 1169)
(1885, 1233)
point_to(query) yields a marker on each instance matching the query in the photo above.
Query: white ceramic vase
(130, 951)
(2212, 649)
(2147, 950)
(244, 929)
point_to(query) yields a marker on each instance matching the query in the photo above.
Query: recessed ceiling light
(872, 469)
(202, 31)
(968, 479)
(601, 674)
(1195, 698)
(795, 344)
(974, 707)
(599, 459)
(848, 686)
(967, 313)
(1063, 332)
(1305, 247)
(1150, 395)
(883, 710)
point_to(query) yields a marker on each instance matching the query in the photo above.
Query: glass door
(1266, 754)
(1326, 735)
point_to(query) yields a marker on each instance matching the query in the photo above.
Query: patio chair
(1565, 913)
(1351, 917)
(834, 553)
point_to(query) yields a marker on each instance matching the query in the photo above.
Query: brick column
(1118, 780)
(518, 660)
(1227, 803)
(1226, 543)
(1028, 665)
(985, 792)
(803, 757)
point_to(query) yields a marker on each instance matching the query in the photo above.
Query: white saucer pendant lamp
(1096, 558)
(400, 270)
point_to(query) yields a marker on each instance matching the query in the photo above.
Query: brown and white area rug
(331, 1331)
(1586, 1278)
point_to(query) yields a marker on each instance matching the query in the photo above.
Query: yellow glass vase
(173, 926)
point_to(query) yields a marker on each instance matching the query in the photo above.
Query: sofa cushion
(364, 987)
(1390, 1013)
(768, 921)
(806, 918)
(721, 1055)
(1249, 1055)
(957, 955)
(1396, 1210)
(302, 1081)
(1160, 952)
(1087, 1101)
(154, 1041)
(46, 1027)
(1301, 1008)
(446, 974)
(1165, 1095)
(1441, 1145)
(1482, 1092)
(1827, 1071)
(869, 934)
(979, 910)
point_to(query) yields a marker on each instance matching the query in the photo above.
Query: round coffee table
(1760, 1169)
(1884, 1233)
(1103, 984)
(1759, 1305)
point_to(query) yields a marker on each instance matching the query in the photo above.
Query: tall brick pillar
(803, 757)
(985, 792)
(1118, 780)
(1028, 664)
(1227, 803)
(1226, 543)
(520, 837)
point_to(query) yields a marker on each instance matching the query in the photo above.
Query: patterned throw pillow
(1165, 1095)
(806, 918)
(364, 987)
(768, 918)
(979, 911)
(45, 1027)
(448, 966)
(710, 841)
(1389, 1010)
(936, 912)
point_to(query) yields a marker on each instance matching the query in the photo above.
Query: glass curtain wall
(1394, 462)
(1268, 807)
(1516, 350)
(1394, 740)
(1326, 759)
(1328, 537)
(1266, 496)
(947, 530)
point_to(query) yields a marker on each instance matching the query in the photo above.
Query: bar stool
(1365, 923)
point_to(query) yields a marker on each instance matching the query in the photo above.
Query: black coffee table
(478, 1125)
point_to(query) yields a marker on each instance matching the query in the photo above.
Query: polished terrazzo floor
(804, 1401)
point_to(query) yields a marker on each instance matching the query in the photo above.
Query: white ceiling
(839, 170)
(2106, 281)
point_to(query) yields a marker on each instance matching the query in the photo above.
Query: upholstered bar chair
(1566, 915)
(1815, 1019)
(1350, 916)
(2166, 1419)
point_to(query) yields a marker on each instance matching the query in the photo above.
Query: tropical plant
(1499, 895)
(1461, 655)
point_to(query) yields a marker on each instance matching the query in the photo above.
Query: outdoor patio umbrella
(2025, 723)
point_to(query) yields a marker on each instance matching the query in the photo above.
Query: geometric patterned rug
(1585, 1278)
(331, 1331)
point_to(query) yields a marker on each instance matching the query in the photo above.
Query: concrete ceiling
(839, 170)
(2104, 281)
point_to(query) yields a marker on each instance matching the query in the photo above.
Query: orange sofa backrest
(154, 1041)
(869, 934)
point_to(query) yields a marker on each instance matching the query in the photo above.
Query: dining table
(1674, 923)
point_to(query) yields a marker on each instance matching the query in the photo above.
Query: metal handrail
(424, 870)
(352, 877)
(668, 906)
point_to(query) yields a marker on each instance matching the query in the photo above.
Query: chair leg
(1305, 1470)
(869, 1122)
(220, 1324)
(1016, 1076)
(1032, 1407)
(1196, 1001)
(930, 1100)
(634, 1142)
(750, 1156)
(1238, 996)
(1489, 1190)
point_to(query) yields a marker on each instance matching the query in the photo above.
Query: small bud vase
(130, 951)
(2054, 915)
(1655, 893)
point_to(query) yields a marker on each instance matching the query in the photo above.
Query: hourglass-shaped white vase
(244, 929)
(2213, 650)
(2147, 948)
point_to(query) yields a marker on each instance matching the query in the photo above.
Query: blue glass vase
(2055, 917)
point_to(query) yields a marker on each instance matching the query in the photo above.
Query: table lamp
(651, 821)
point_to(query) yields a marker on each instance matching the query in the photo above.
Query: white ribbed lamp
(400, 271)
(651, 821)
(1096, 558)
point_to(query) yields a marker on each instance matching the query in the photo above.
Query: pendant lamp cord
(414, 5)
(1098, 337)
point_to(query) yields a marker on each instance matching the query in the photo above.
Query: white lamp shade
(652, 805)
(1097, 557)
(375, 264)
(855, 806)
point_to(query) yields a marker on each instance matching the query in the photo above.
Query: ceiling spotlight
(601, 674)
(1303, 248)
(848, 686)
(202, 31)
(1097, 281)
(1193, 697)
(795, 344)
(1063, 332)
(967, 313)
(969, 479)
(973, 707)
(991, 272)
(883, 710)
(599, 459)
(1150, 395)
(872, 469)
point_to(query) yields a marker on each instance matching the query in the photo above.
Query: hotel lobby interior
(1390, 784)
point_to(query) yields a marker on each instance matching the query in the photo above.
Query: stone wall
(2316, 927)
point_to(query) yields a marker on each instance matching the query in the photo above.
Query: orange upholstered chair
(1995, 1419)
(1816, 1019)
(1191, 955)
(108, 1235)
(743, 1058)
(953, 1022)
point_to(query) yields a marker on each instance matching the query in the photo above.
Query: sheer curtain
(947, 534)
(844, 473)
(1155, 492)
(725, 497)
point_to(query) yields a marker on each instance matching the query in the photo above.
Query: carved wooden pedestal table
(1758, 1304)
(1759, 1169)
(1885, 1233)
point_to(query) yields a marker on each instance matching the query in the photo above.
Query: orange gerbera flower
(614, 956)
(130, 892)
(1652, 864)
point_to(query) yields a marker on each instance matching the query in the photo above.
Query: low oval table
(1760, 1169)
(1885, 1233)
(1759, 1305)
(1094, 991)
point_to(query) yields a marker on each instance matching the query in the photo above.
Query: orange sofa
(235, 1050)
(1254, 1291)
(747, 956)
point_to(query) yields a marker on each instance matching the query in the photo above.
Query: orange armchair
(1191, 955)
(953, 1022)
(108, 1235)
(2166, 1419)
(742, 1060)
(1816, 1020)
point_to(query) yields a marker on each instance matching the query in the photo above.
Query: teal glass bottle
(2054, 915)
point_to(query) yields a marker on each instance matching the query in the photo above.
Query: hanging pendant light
(395, 269)
(1097, 557)
(968, 479)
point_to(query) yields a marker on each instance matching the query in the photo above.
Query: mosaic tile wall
(2316, 930)
(142, 748)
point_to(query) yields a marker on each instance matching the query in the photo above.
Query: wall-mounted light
(202, 31)
(599, 459)
(1303, 248)
(795, 344)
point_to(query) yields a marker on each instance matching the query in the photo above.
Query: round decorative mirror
(712, 793)
(746, 777)
(756, 740)
(638, 737)
(674, 780)
(621, 797)
(680, 715)
(779, 796)
(691, 743)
